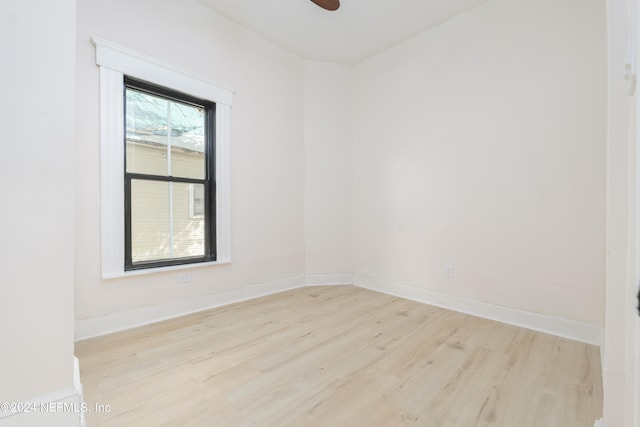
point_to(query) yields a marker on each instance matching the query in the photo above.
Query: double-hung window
(169, 177)
(165, 165)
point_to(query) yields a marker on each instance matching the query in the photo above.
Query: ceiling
(357, 30)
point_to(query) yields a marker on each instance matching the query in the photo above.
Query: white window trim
(115, 62)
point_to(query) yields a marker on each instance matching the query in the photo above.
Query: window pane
(146, 133)
(162, 224)
(164, 137)
(188, 230)
(150, 225)
(187, 141)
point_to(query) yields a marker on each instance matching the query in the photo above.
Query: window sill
(164, 269)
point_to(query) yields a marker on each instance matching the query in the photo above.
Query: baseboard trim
(123, 320)
(328, 279)
(558, 326)
(119, 321)
(62, 408)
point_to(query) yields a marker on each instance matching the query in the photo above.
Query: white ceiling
(359, 29)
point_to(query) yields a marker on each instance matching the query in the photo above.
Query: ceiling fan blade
(328, 4)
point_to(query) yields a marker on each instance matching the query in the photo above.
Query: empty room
(320, 213)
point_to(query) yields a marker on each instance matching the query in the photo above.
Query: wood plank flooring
(338, 356)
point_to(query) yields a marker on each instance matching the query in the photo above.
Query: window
(196, 201)
(165, 189)
(169, 190)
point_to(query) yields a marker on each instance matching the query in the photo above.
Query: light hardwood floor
(338, 356)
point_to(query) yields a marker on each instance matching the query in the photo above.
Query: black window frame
(210, 252)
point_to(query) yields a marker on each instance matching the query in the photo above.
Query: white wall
(620, 351)
(267, 160)
(481, 143)
(37, 114)
(328, 160)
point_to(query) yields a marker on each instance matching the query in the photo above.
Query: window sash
(208, 182)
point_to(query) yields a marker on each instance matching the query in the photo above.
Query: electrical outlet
(183, 278)
(448, 271)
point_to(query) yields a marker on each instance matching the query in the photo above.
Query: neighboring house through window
(165, 187)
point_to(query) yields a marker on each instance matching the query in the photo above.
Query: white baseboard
(114, 322)
(62, 408)
(122, 320)
(598, 423)
(558, 326)
(328, 279)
